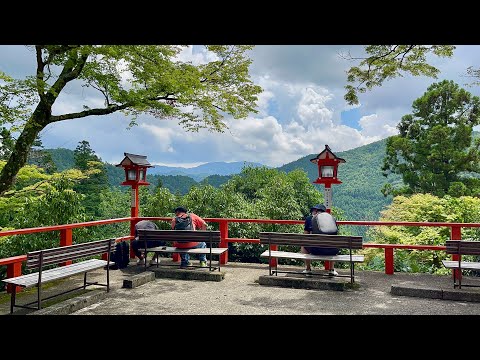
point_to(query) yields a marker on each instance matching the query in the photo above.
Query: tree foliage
(385, 62)
(434, 150)
(422, 208)
(132, 79)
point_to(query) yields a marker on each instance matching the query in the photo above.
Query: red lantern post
(327, 163)
(135, 167)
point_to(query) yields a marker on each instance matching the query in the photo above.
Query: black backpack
(121, 255)
(183, 223)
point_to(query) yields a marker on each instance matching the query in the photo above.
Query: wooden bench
(182, 236)
(45, 258)
(461, 247)
(317, 240)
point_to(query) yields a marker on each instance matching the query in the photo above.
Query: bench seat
(31, 280)
(300, 256)
(452, 264)
(172, 249)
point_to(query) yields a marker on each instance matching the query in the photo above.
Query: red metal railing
(14, 264)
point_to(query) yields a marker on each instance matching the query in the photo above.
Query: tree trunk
(18, 158)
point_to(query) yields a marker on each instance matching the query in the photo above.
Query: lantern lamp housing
(135, 167)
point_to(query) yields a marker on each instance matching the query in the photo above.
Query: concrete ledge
(188, 274)
(461, 295)
(71, 305)
(304, 283)
(436, 293)
(138, 279)
(416, 291)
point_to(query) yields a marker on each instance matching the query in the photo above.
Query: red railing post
(223, 240)
(14, 270)
(133, 222)
(389, 261)
(274, 261)
(456, 234)
(66, 240)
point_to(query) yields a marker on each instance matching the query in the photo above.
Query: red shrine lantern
(327, 163)
(135, 167)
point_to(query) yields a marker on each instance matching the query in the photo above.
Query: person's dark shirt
(144, 224)
(308, 224)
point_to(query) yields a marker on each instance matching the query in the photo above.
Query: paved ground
(240, 294)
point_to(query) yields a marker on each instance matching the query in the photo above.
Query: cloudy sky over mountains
(301, 109)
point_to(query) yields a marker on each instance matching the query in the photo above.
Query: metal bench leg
(12, 298)
(352, 267)
(84, 281)
(454, 278)
(39, 294)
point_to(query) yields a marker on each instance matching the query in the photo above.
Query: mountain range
(198, 173)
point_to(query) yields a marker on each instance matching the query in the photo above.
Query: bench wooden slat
(72, 248)
(463, 247)
(167, 249)
(319, 240)
(179, 235)
(72, 252)
(300, 256)
(58, 258)
(30, 280)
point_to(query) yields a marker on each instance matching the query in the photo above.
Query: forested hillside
(63, 158)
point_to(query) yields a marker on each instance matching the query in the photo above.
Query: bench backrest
(179, 235)
(320, 240)
(463, 247)
(71, 252)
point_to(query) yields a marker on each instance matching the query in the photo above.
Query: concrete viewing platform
(236, 291)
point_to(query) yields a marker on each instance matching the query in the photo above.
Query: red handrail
(14, 263)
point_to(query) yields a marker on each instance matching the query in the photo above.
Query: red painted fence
(14, 264)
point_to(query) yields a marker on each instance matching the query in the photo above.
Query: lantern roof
(133, 159)
(327, 154)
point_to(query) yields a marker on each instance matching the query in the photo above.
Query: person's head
(179, 210)
(318, 208)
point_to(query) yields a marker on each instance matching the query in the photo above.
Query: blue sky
(300, 110)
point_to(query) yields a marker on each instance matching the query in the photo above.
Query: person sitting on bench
(137, 244)
(320, 222)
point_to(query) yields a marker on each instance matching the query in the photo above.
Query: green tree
(385, 62)
(97, 181)
(434, 148)
(132, 79)
(82, 154)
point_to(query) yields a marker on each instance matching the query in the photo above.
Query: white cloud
(196, 55)
(162, 135)
(376, 127)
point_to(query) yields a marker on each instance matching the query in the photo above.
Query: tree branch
(40, 73)
(70, 71)
(105, 111)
